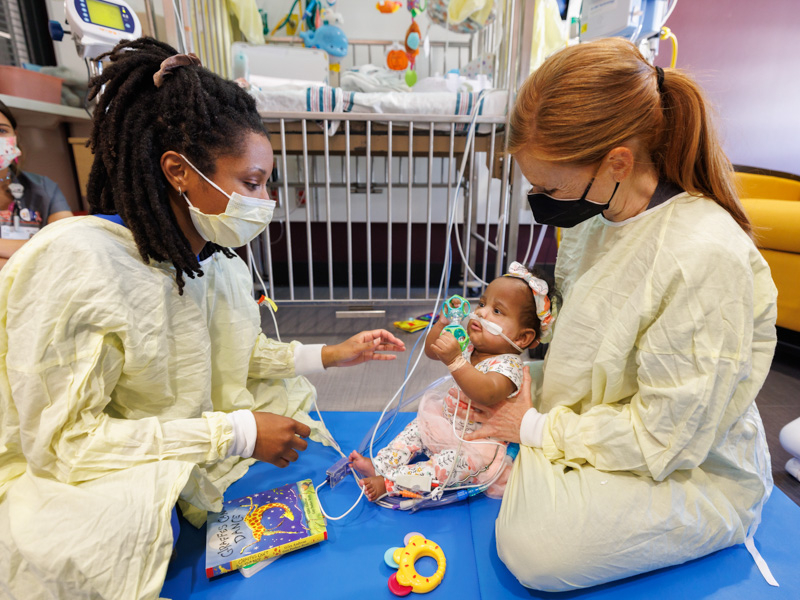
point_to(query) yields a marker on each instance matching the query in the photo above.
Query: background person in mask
(133, 370)
(33, 199)
(641, 445)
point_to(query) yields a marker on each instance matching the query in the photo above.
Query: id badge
(21, 232)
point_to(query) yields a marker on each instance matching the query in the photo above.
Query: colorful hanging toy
(416, 7)
(315, 26)
(396, 58)
(388, 6)
(405, 59)
(412, 43)
(407, 580)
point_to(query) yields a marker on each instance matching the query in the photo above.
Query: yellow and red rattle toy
(407, 580)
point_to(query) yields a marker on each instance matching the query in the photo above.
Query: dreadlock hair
(528, 314)
(194, 112)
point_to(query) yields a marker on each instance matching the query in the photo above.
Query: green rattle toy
(456, 309)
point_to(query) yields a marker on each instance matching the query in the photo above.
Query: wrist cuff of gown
(308, 359)
(244, 433)
(531, 430)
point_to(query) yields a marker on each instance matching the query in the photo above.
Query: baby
(513, 314)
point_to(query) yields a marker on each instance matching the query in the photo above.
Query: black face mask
(565, 213)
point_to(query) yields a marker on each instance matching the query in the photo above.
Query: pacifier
(456, 308)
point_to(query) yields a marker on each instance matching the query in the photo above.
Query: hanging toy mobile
(403, 58)
(396, 58)
(416, 7)
(413, 40)
(323, 35)
(388, 6)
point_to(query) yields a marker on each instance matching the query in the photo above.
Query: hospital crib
(362, 213)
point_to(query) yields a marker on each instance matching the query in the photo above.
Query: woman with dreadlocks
(133, 370)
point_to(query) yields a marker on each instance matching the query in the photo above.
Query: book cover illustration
(263, 525)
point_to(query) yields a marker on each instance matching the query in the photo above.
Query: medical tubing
(536, 250)
(445, 271)
(442, 487)
(638, 30)
(181, 27)
(455, 199)
(461, 439)
(264, 290)
(393, 413)
(466, 262)
(467, 146)
(324, 514)
(669, 11)
(666, 34)
(530, 242)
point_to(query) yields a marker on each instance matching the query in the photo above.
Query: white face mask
(494, 329)
(244, 217)
(8, 151)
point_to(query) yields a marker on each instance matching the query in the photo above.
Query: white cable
(537, 249)
(324, 514)
(466, 262)
(263, 290)
(530, 243)
(638, 30)
(467, 147)
(669, 11)
(461, 439)
(442, 487)
(181, 29)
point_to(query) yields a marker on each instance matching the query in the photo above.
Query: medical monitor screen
(105, 14)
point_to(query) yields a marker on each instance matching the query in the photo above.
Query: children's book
(263, 525)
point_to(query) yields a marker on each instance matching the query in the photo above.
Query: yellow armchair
(772, 201)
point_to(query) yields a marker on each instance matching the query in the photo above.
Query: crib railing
(363, 215)
(204, 27)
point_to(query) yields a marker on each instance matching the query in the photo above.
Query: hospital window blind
(13, 49)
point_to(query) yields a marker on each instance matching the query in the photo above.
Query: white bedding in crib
(300, 98)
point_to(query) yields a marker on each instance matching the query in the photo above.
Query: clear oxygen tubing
(539, 241)
(445, 270)
(465, 261)
(467, 147)
(530, 242)
(390, 417)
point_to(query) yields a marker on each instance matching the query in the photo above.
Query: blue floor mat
(349, 565)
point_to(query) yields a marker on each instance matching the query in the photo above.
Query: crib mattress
(325, 99)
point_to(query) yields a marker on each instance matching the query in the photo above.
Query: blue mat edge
(727, 574)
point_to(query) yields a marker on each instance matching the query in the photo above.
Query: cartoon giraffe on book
(254, 516)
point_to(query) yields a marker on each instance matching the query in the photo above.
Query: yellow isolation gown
(113, 393)
(653, 450)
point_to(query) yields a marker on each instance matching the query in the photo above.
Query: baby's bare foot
(362, 464)
(374, 487)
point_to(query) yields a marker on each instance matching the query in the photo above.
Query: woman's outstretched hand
(362, 347)
(503, 420)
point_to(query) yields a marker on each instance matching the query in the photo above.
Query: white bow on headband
(540, 291)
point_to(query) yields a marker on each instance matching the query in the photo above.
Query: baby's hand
(446, 348)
